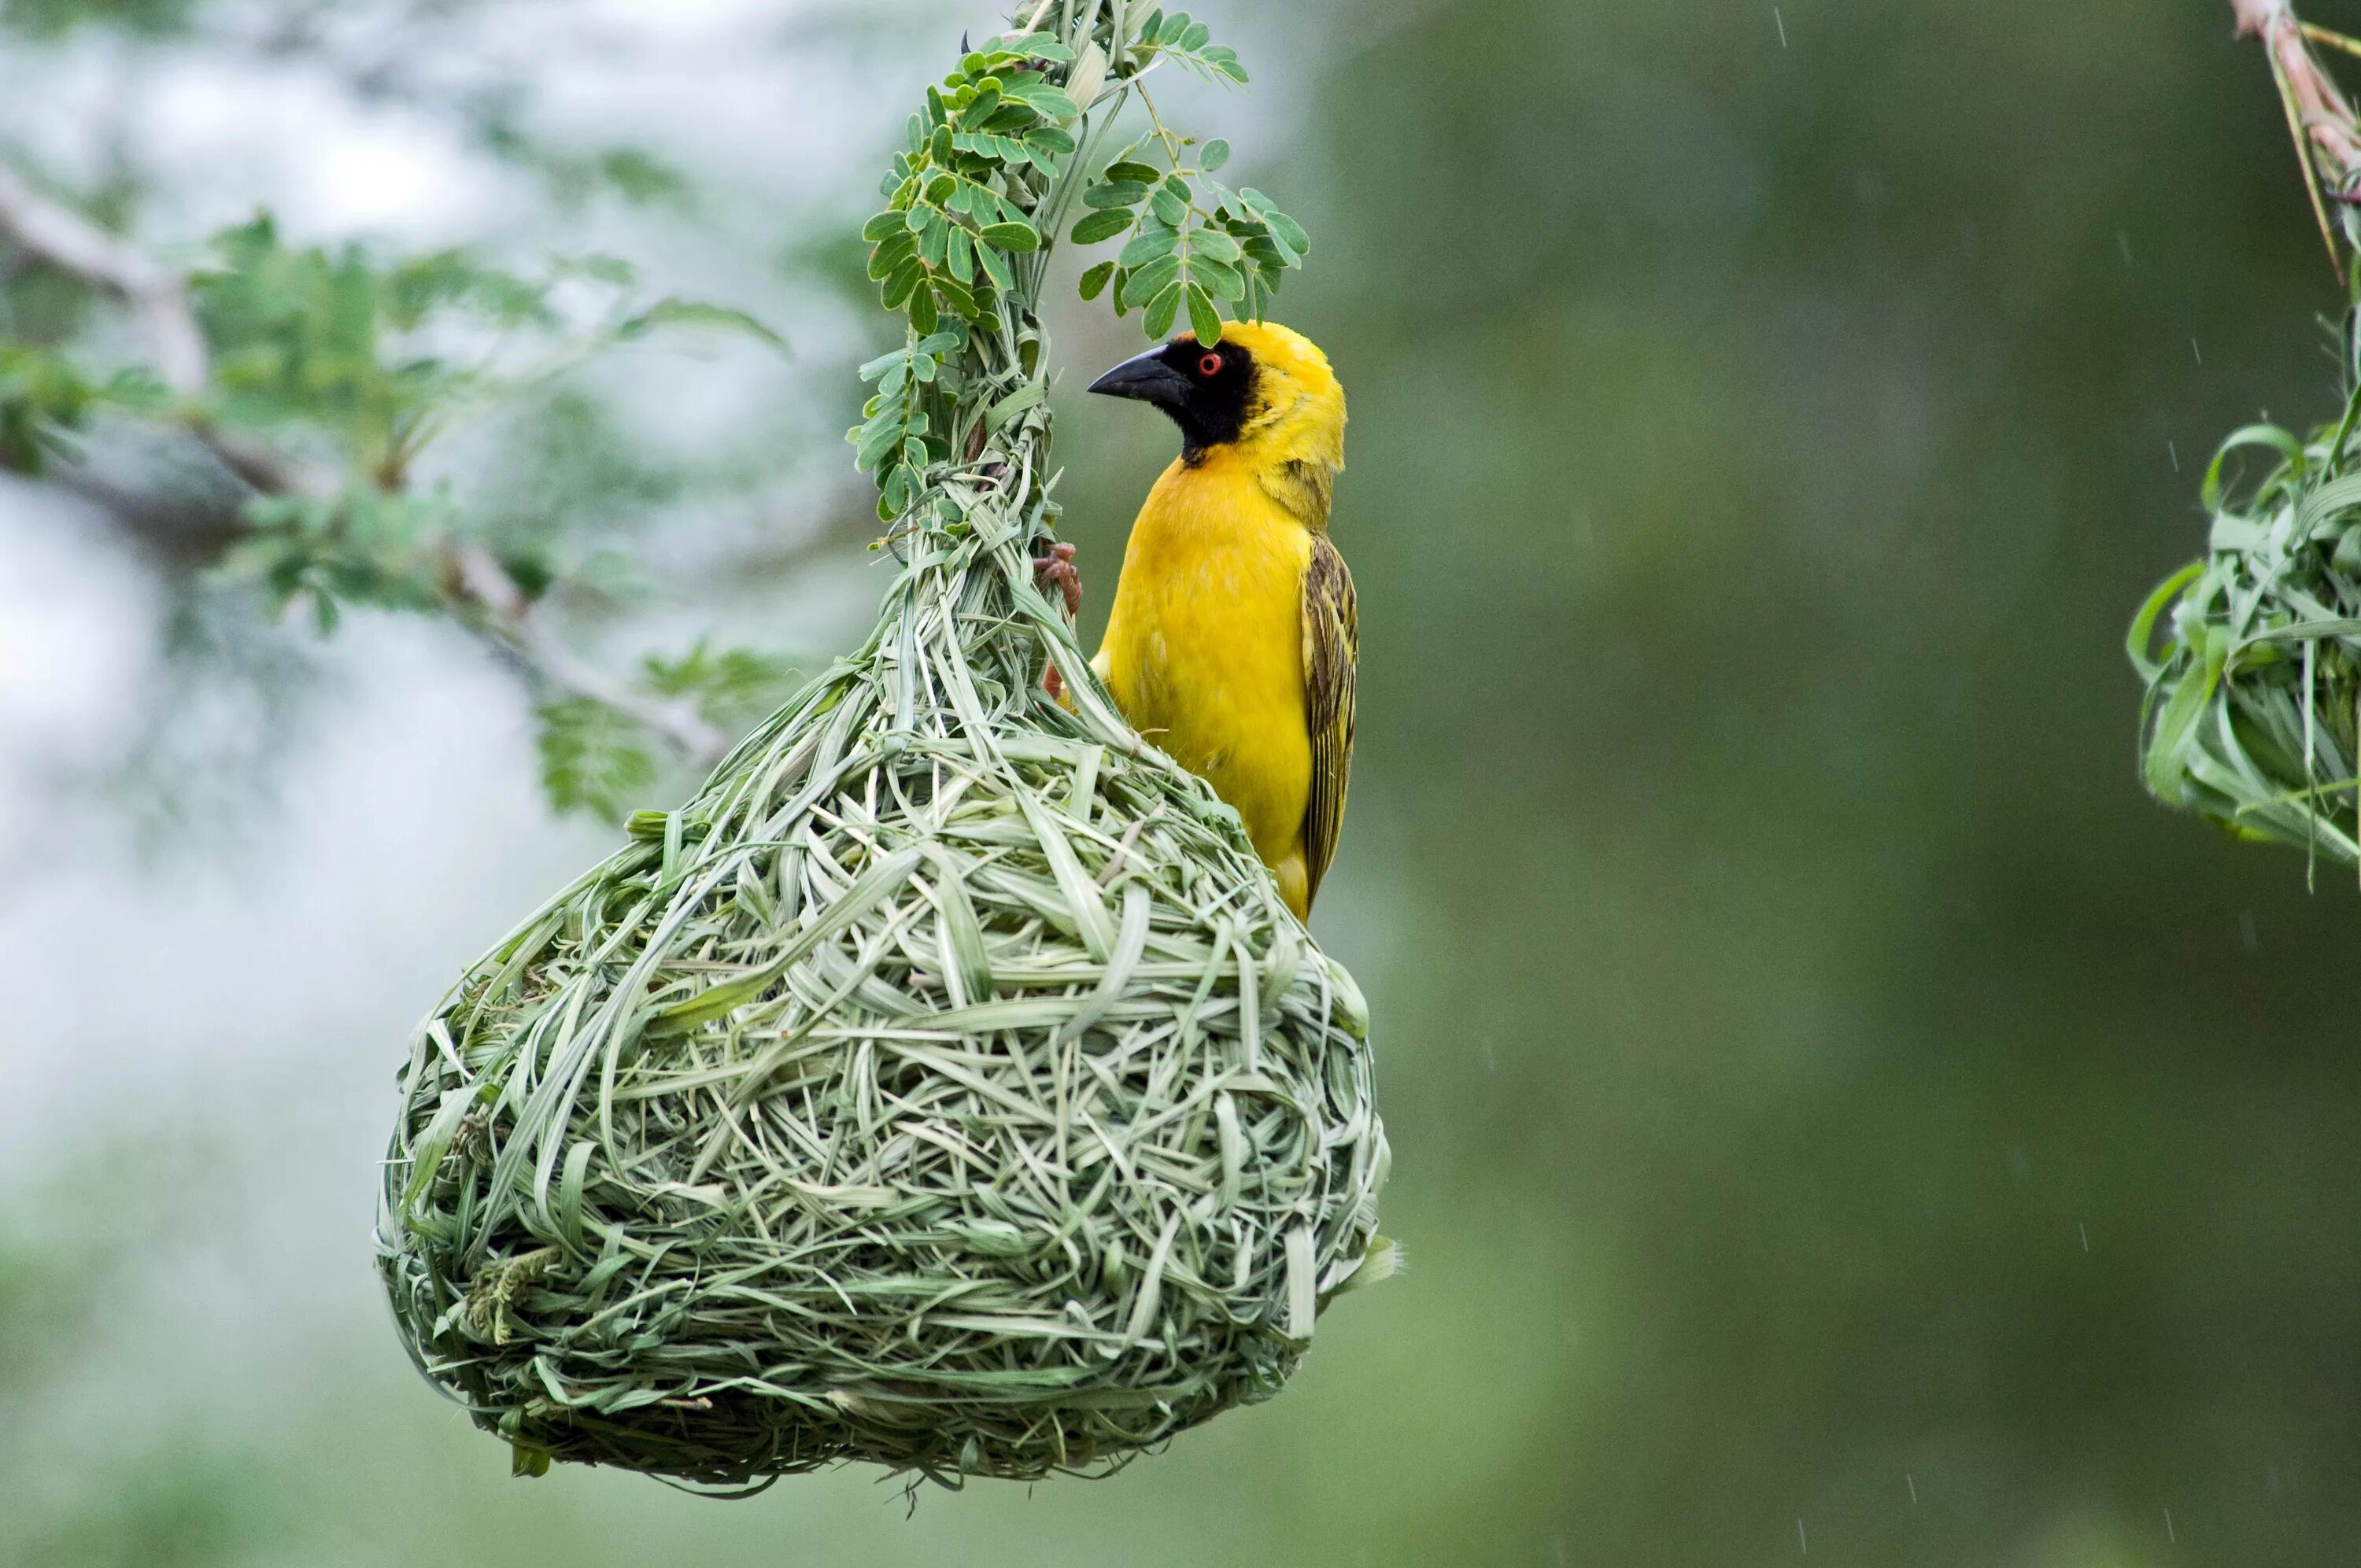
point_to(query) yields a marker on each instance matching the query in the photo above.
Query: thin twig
(64, 238)
(480, 593)
(52, 231)
(505, 615)
(1171, 142)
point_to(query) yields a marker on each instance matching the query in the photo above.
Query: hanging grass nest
(946, 1085)
(2251, 714)
(2251, 709)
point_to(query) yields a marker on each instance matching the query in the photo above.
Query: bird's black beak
(1148, 378)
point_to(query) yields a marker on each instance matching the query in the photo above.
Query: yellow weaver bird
(1234, 637)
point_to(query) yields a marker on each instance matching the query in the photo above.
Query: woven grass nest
(945, 1086)
(2251, 715)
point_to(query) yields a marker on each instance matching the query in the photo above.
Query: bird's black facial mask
(1205, 390)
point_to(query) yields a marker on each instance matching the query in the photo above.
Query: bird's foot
(1055, 574)
(1056, 570)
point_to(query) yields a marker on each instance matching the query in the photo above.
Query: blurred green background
(1836, 1116)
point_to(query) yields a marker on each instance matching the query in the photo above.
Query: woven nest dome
(2251, 711)
(946, 1086)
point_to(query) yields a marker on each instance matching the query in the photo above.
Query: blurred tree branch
(58, 234)
(255, 416)
(474, 588)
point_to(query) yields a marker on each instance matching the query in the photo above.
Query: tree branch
(478, 593)
(504, 615)
(65, 239)
(188, 527)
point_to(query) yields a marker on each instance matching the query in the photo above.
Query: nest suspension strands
(946, 1085)
(2251, 715)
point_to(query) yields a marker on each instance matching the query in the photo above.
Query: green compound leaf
(1287, 229)
(1101, 225)
(1214, 242)
(1157, 317)
(594, 759)
(1041, 46)
(1145, 283)
(1020, 238)
(955, 296)
(885, 258)
(1152, 243)
(1222, 280)
(1046, 100)
(697, 314)
(1204, 319)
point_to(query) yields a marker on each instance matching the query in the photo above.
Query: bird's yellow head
(1265, 391)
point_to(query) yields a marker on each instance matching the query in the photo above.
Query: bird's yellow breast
(1205, 644)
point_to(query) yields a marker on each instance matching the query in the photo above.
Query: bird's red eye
(1211, 364)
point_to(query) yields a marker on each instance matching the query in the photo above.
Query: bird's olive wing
(1331, 651)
